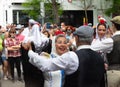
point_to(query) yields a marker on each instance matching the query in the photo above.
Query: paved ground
(9, 83)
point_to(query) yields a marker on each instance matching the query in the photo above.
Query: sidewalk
(9, 83)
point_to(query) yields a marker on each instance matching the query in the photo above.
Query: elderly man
(112, 46)
(83, 68)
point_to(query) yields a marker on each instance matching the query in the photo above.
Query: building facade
(73, 11)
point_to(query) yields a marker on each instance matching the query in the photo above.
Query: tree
(55, 11)
(86, 4)
(52, 9)
(33, 8)
(114, 9)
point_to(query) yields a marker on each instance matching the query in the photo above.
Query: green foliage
(49, 14)
(33, 11)
(114, 9)
(33, 8)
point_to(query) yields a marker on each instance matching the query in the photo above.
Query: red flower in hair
(102, 21)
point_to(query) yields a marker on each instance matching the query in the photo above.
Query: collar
(84, 47)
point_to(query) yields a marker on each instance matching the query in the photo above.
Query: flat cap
(84, 31)
(116, 19)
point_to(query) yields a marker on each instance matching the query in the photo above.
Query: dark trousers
(32, 76)
(15, 62)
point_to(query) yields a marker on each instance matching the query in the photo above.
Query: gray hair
(86, 40)
(60, 35)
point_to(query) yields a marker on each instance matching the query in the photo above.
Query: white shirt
(105, 45)
(68, 61)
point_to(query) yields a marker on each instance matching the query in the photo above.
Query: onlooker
(70, 37)
(84, 67)
(13, 48)
(8, 27)
(4, 57)
(19, 29)
(63, 26)
(46, 33)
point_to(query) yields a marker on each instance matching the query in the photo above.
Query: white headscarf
(27, 31)
(53, 52)
(97, 36)
(35, 35)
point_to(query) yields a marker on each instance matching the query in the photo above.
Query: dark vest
(90, 72)
(114, 55)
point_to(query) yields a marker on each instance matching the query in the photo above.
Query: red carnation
(102, 21)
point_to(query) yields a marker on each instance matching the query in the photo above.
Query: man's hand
(106, 66)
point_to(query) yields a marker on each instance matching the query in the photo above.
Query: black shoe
(20, 79)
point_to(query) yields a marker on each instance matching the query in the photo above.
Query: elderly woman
(56, 78)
